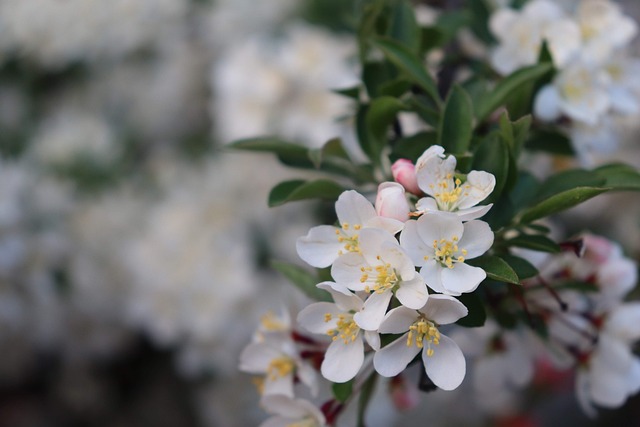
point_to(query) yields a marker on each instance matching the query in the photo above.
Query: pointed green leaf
(381, 114)
(492, 155)
(568, 180)
(288, 153)
(502, 91)
(410, 64)
(302, 279)
(456, 122)
(560, 202)
(620, 177)
(294, 190)
(534, 242)
(404, 27)
(496, 268)
(523, 268)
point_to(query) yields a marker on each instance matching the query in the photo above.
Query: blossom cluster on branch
(445, 251)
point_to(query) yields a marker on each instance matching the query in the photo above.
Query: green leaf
(503, 90)
(534, 242)
(410, 64)
(425, 108)
(352, 92)
(560, 202)
(376, 75)
(302, 279)
(332, 148)
(404, 27)
(342, 391)
(523, 268)
(288, 153)
(369, 25)
(297, 189)
(492, 155)
(568, 180)
(496, 268)
(412, 147)
(477, 314)
(456, 122)
(381, 114)
(620, 177)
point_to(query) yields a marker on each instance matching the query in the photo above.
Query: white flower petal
(345, 299)
(390, 225)
(343, 361)
(547, 104)
(413, 293)
(434, 227)
(623, 322)
(389, 361)
(501, 21)
(431, 272)
(373, 311)
(398, 320)
(279, 385)
(444, 309)
(352, 208)
(312, 317)
(447, 367)
(462, 278)
(481, 184)
(414, 246)
(476, 239)
(373, 339)
(320, 247)
(426, 204)
(256, 357)
(473, 212)
(346, 270)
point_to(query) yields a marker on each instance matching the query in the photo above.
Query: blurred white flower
(520, 35)
(55, 33)
(282, 86)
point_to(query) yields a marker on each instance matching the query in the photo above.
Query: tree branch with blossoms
(441, 225)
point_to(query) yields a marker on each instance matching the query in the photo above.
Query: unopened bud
(404, 173)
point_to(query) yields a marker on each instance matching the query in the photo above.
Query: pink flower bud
(599, 249)
(404, 172)
(391, 201)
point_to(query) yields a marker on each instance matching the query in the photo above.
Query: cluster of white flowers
(281, 86)
(595, 82)
(377, 288)
(55, 33)
(593, 330)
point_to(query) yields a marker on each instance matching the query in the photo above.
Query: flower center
(380, 278)
(447, 252)
(280, 367)
(348, 236)
(270, 322)
(423, 332)
(346, 328)
(449, 191)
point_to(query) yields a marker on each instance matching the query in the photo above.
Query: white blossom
(443, 360)
(325, 243)
(382, 269)
(345, 354)
(436, 176)
(440, 244)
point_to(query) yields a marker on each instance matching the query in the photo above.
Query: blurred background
(134, 247)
